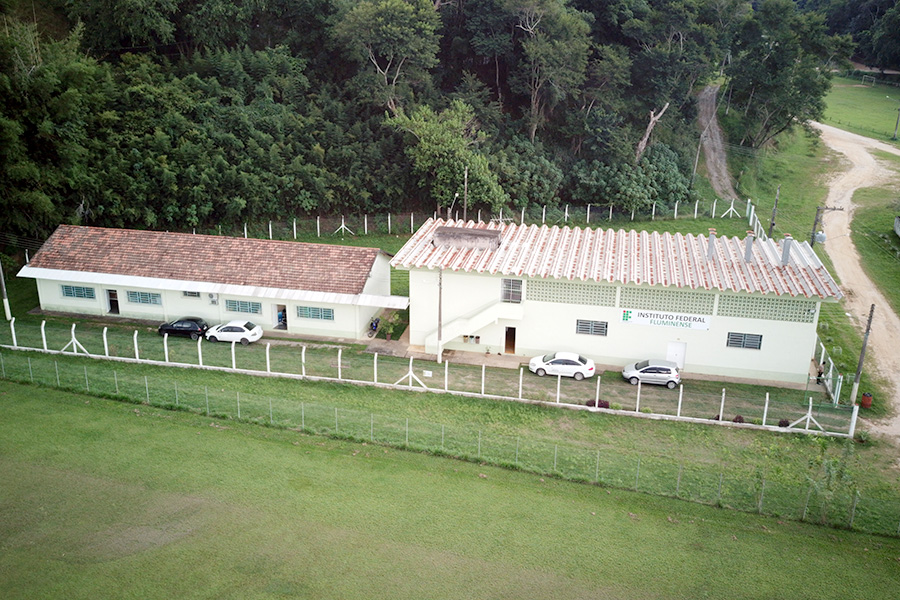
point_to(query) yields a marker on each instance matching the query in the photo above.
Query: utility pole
(819, 210)
(5, 299)
(862, 356)
(774, 210)
(465, 194)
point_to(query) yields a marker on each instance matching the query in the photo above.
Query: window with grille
(511, 291)
(565, 292)
(191, 294)
(243, 306)
(77, 291)
(590, 327)
(773, 309)
(144, 298)
(751, 341)
(315, 312)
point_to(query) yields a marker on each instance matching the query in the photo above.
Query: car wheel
(540, 372)
(212, 338)
(195, 336)
(244, 341)
(579, 376)
(633, 381)
(671, 385)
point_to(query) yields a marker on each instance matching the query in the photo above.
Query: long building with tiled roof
(314, 288)
(717, 305)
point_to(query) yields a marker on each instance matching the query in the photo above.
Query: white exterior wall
(550, 326)
(350, 321)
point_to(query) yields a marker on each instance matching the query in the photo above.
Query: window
(590, 327)
(191, 294)
(77, 291)
(315, 312)
(144, 298)
(511, 290)
(243, 306)
(744, 340)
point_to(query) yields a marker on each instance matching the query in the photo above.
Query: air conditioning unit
(213, 298)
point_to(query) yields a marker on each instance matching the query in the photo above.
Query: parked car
(567, 364)
(235, 331)
(657, 372)
(192, 327)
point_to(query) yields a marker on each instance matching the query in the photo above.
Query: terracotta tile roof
(618, 256)
(208, 258)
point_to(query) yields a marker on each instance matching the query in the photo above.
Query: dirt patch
(713, 144)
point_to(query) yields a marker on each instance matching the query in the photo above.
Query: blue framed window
(77, 291)
(315, 312)
(243, 306)
(144, 297)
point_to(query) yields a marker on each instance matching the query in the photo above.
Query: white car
(235, 331)
(566, 364)
(659, 372)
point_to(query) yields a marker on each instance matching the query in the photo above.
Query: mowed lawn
(101, 499)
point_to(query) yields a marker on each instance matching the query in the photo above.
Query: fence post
(696, 206)
(375, 369)
(366, 224)
(56, 364)
(713, 211)
(268, 360)
(653, 212)
(44, 334)
(115, 378)
(410, 371)
(676, 209)
(303, 362)
(295, 228)
(610, 212)
(318, 227)
(339, 363)
(105, 343)
(200, 350)
(522, 218)
(558, 383)
(166, 346)
(12, 328)
(389, 223)
(566, 217)
(521, 370)
(597, 394)
(680, 396)
(479, 215)
(238, 405)
(245, 230)
(637, 404)
(137, 355)
(233, 362)
(853, 421)
(482, 379)
(809, 413)
(446, 375)
(544, 214)
(766, 409)
(588, 214)
(632, 214)
(722, 406)
(270, 230)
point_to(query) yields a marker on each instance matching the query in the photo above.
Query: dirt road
(714, 144)
(863, 171)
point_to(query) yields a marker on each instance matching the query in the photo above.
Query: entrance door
(112, 297)
(510, 340)
(280, 316)
(676, 352)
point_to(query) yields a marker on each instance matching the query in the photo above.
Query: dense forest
(186, 113)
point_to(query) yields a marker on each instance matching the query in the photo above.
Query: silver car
(657, 372)
(566, 364)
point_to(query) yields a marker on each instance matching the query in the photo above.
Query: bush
(738, 419)
(862, 436)
(600, 404)
(783, 423)
(615, 406)
(717, 418)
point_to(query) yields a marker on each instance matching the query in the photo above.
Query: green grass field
(103, 499)
(867, 110)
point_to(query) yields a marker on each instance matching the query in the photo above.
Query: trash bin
(866, 400)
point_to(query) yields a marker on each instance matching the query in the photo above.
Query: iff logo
(626, 315)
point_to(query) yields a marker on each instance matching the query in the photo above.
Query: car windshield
(642, 364)
(582, 360)
(548, 357)
(248, 325)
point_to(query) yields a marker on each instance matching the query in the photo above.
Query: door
(280, 316)
(112, 297)
(676, 352)
(510, 340)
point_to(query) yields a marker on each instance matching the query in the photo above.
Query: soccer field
(102, 499)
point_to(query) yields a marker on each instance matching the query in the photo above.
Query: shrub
(738, 419)
(615, 406)
(603, 404)
(600, 404)
(717, 418)
(783, 423)
(646, 410)
(862, 436)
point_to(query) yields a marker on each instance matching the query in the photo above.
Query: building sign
(665, 319)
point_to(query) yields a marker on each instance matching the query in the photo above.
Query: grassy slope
(867, 110)
(107, 500)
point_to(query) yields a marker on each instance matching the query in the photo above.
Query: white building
(320, 289)
(721, 306)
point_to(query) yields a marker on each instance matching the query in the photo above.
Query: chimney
(786, 249)
(748, 247)
(711, 247)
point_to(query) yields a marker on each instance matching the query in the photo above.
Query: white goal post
(868, 80)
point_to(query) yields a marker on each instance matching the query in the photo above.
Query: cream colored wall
(549, 326)
(379, 281)
(349, 321)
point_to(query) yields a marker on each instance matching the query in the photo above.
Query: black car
(192, 327)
